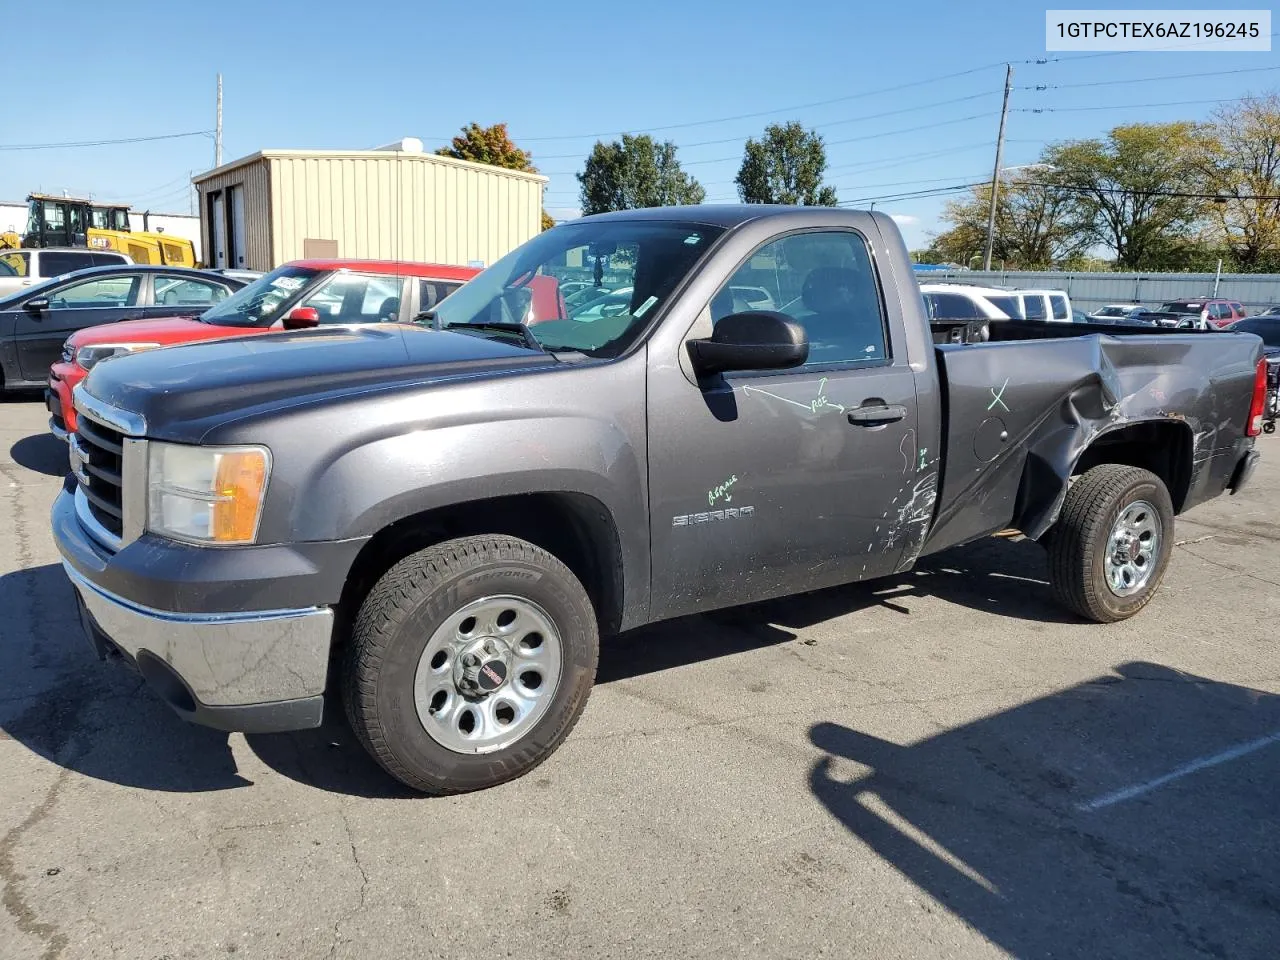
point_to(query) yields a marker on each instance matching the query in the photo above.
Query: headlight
(206, 494)
(92, 354)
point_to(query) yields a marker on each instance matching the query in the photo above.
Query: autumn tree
(1135, 188)
(636, 171)
(492, 145)
(1242, 166)
(785, 165)
(1037, 226)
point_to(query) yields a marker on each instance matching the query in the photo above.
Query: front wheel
(1112, 541)
(469, 663)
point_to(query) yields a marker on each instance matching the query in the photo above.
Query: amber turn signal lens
(238, 486)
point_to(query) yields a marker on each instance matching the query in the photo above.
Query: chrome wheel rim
(488, 674)
(1133, 548)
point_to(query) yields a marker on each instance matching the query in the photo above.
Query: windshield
(1006, 305)
(257, 304)
(1182, 306)
(1113, 312)
(630, 268)
(1268, 330)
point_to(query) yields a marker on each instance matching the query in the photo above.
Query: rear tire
(469, 663)
(1111, 544)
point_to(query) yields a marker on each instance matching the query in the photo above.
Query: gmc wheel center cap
(482, 666)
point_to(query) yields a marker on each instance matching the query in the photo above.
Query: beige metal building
(393, 203)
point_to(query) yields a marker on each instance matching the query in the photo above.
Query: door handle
(876, 414)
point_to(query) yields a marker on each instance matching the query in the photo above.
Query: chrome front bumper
(258, 671)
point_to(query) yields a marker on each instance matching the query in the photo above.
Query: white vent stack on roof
(403, 145)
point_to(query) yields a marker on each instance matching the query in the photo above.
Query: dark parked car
(35, 322)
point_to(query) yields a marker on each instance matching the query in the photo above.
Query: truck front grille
(101, 476)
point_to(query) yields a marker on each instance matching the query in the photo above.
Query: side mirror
(752, 340)
(301, 318)
(36, 305)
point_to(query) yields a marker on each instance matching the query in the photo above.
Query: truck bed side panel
(1021, 413)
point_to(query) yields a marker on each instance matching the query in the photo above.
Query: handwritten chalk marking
(1195, 766)
(998, 396)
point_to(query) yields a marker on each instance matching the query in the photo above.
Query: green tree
(634, 172)
(1037, 224)
(785, 166)
(1130, 188)
(492, 145)
(1241, 164)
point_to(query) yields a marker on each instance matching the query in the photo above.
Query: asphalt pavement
(941, 764)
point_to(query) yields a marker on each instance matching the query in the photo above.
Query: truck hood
(164, 330)
(196, 386)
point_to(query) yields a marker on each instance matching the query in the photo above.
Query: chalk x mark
(999, 396)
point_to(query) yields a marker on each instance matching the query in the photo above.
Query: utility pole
(218, 129)
(995, 176)
(191, 191)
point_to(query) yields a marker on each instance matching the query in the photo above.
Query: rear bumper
(1243, 471)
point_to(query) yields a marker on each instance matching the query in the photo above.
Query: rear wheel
(1111, 544)
(469, 663)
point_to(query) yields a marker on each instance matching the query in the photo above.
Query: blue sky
(327, 75)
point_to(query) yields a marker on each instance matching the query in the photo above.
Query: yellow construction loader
(73, 222)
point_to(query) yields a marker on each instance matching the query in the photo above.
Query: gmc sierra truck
(439, 519)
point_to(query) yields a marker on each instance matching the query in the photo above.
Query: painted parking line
(1137, 790)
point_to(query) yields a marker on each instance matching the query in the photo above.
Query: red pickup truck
(304, 293)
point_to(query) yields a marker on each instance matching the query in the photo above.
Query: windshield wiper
(500, 327)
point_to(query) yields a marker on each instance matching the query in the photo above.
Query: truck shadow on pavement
(1130, 816)
(43, 453)
(100, 720)
(1006, 579)
(60, 702)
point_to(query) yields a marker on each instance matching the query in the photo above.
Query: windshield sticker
(288, 283)
(693, 239)
(640, 310)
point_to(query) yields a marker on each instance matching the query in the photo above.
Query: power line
(103, 143)
(864, 166)
(1120, 53)
(1187, 195)
(1129, 106)
(765, 113)
(1167, 76)
(916, 194)
(829, 143)
(820, 126)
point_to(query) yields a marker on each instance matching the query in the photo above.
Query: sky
(906, 95)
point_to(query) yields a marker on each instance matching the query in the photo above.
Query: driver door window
(823, 281)
(357, 298)
(108, 292)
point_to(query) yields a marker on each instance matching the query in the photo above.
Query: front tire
(1111, 544)
(469, 663)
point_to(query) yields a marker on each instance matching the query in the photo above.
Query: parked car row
(305, 293)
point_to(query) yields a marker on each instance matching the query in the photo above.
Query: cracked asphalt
(940, 764)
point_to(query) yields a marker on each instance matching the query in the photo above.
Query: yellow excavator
(73, 222)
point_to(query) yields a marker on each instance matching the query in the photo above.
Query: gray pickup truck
(439, 520)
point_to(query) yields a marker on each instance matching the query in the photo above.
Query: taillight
(1258, 406)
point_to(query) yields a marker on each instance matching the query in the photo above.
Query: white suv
(23, 267)
(963, 301)
(1048, 305)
